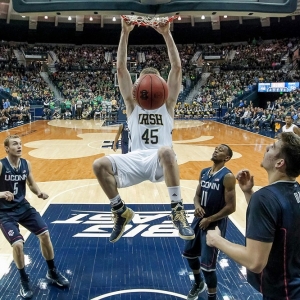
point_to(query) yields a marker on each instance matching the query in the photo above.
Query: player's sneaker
(180, 222)
(56, 277)
(25, 290)
(121, 217)
(196, 290)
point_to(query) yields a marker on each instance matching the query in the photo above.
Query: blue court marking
(146, 263)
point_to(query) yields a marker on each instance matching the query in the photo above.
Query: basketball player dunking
(151, 157)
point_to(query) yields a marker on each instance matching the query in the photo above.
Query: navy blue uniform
(19, 209)
(125, 138)
(14, 181)
(212, 201)
(273, 216)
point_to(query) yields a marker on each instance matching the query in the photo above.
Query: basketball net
(147, 20)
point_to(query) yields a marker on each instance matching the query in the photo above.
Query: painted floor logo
(146, 263)
(145, 223)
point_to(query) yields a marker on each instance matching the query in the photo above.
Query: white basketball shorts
(136, 166)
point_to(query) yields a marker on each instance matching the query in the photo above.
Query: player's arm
(246, 183)
(7, 195)
(296, 130)
(263, 215)
(124, 79)
(33, 185)
(254, 256)
(199, 210)
(175, 75)
(117, 137)
(230, 202)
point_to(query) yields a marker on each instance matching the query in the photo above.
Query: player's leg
(10, 230)
(18, 255)
(103, 170)
(209, 256)
(124, 147)
(192, 251)
(53, 274)
(106, 171)
(208, 267)
(168, 162)
(211, 282)
(33, 221)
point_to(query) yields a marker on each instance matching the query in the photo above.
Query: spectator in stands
(79, 106)
(244, 117)
(97, 112)
(63, 107)
(3, 120)
(26, 114)
(226, 117)
(6, 104)
(73, 109)
(257, 117)
(270, 105)
(248, 120)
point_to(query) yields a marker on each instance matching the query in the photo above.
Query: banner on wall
(281, 87)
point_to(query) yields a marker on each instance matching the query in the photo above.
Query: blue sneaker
(121, 218)
(56, 277)
(25, 290)
(180, 222)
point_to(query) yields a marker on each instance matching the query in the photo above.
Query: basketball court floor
(146, 262)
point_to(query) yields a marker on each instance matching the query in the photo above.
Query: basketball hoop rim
(147, 20)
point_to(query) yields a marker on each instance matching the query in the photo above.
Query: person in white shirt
(79, 109)
(289, 126)
(244, 117)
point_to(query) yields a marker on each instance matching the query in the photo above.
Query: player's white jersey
(290, 129)
(150, 129)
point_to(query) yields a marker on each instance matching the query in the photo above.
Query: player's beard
(215, 160)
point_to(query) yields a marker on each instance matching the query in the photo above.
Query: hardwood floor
(62, 152)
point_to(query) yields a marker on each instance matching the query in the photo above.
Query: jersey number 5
(150, 136)
(16, 188)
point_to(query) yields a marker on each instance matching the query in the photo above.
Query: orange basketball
(150, 91)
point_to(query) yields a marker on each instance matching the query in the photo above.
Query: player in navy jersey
(151, 155)
(214, 200)
(15, 172)
(272, 251)
(124, 133)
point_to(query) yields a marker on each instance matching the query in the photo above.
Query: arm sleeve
(263, 216)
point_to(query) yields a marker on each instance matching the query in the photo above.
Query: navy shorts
(124, 147)
(23, 214)
(198, 248)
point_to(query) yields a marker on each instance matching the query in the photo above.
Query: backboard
(158, 7)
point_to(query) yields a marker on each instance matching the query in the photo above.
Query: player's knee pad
(210, 279)
(194, 263)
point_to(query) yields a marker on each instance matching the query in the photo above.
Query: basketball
(150, 91)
